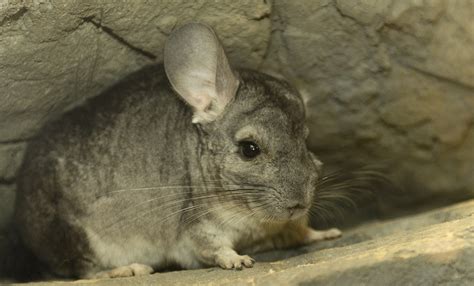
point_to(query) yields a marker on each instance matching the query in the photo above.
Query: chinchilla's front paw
(229, 259)
(318, 235)
(134, 269)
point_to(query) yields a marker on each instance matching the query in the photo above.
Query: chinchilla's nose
(295, 207)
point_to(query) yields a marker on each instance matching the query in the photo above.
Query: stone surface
(11, 157)
(433, 248)
(385, 81)
(7, 199)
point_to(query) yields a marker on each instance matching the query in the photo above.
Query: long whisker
(262, 202)
(217, 206)
(179, 201)
(252, 212)
(341, 189)
(162, 196)
(164, 187)
(196, 217)
(236, 192)
(173, 187)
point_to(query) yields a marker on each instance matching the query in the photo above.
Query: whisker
(255, 199)
(340, 189)
(262, 202)
(167, 187)
(195, 197)
(236, 192)
(209, 210)
(197, 216)
(254, 211)
(186, 187)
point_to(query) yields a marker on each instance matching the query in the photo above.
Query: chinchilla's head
(252, 125)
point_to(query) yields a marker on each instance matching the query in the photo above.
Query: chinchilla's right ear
(199, 71)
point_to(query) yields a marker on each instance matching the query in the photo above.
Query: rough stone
(7, 198)
(11, 156)
(387, 82)
(433, 248)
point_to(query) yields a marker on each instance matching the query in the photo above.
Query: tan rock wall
(385, 81)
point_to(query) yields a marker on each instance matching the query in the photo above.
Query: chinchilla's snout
(296, 208)
(298, 199)
(297, 183)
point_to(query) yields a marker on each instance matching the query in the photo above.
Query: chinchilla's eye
(249, 149)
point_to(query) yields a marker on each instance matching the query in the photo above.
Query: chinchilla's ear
(199, 71)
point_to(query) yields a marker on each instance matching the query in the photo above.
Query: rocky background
(385, 81)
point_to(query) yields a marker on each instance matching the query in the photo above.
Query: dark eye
(249, 149)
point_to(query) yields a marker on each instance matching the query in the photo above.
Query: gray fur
(128, 178)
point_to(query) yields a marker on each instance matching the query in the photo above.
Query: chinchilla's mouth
(285, 215)
(298, 213)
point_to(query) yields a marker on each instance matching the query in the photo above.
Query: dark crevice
(343, 15)
(436, 76)
(275, 31)
(118, 38)
(15, 16)
(7, 181)
(17, 141)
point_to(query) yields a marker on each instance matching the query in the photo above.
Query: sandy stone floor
(432, 248)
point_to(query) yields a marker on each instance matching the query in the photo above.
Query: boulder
(386, 82)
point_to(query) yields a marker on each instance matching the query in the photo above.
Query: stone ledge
(427, 249)
(11, 155)
(7, 199)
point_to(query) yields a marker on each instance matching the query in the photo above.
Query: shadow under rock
(345, 240)
(374, 229)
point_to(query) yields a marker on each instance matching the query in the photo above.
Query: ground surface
(432, 248)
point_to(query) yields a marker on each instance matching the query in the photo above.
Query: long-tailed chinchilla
(191, 163)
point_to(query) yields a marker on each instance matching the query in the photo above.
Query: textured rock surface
(7, 199)
(384, 80)
(435, 248)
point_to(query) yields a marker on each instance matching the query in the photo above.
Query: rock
(431, 248)
(7, 199)
(386, 82)
(11, 156)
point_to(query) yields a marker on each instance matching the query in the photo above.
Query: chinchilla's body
(191, 164)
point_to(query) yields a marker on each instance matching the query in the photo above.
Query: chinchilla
(191, 163)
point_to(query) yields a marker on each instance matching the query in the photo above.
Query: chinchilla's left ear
(198, 70)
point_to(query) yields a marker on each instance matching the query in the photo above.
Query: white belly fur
(139, 250)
